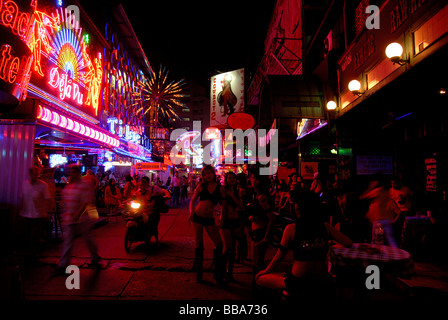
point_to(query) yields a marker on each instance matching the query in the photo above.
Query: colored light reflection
(56, 119)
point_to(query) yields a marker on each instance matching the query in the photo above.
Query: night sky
(198, 39)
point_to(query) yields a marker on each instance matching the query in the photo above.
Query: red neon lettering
(6, 49)
(12, 69)
(66, 87)
(11, 17)
(9, 14)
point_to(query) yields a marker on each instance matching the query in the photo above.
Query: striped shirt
(74, 196)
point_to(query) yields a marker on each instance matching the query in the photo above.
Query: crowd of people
(239, 213)
(252, 207)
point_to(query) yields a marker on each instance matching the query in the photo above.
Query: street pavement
(161, 274)
(145, 273)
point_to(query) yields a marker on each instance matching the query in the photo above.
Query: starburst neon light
(163, 96)
(67, 53)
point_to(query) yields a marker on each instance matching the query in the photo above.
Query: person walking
(176, 184)
(403, 197)
(209, 193)
(382, 209)
(36, 202)
(184, 190)
(77, 220)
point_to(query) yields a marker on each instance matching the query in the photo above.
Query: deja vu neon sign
(67, 88)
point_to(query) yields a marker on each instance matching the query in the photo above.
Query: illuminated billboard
(226, 96)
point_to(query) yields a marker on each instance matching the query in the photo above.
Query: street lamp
(355, 86)
(394, 51)
(331, 105)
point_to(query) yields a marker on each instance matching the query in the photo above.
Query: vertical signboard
(431, 174)
(226, 96)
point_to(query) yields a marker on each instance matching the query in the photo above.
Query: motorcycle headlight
(135, 205)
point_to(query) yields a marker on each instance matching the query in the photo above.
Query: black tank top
(214, 197)
(310, 242)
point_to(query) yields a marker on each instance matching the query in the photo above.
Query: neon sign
(10, 66)
(15, 59)
(46, 115)
(15, 71)
(18, 22)
(65, 85)
(71, 68)
(116, 127)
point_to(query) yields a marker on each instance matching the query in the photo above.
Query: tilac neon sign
(116, 127)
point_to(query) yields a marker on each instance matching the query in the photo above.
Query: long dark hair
(128, 178)
(264, 184)
(227, 186)
(310, 221)
(210, 168)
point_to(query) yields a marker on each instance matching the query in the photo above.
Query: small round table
(361, 255)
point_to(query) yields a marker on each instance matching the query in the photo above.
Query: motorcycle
(141, 223)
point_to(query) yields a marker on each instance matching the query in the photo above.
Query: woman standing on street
(210, 193)
(245, 196)
(261, 210)
(112, 197)
(231, 227)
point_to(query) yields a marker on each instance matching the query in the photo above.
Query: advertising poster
(308, 169)
(226, 97)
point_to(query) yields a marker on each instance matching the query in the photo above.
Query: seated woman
(309, 239)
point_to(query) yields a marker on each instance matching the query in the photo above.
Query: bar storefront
(55, 98)
(65, 93)
(392, 121)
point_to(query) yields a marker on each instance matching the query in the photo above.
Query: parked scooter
(141, 222)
